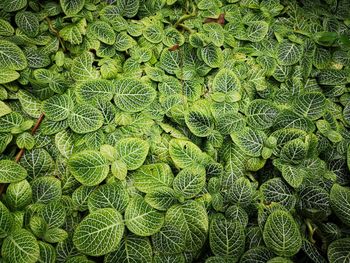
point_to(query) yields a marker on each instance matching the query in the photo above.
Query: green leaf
(28, 23)
(294, 151)
(293, 175)
(31, 105)
(8, 75)
(13, 5)
(339, 250)
(88, 167)
(226, 81)
(113, 195)
(71, 34)
(20, 247)
(100, 232)
(226, 238)
(189, 182)
(261, 114)
(169, 240)
(132, 151)
(289, 53)
(240, 192)
(102, 31)
(132, 248)
(149, 178)
(340, 202)
(19, 195)
(212, 56)
(141, 218)
(72, 7)
(131, 95)
(190, 218)
(11, 172)
(256, 31)
(6, 221)
(46, 189)
(154, 33)
(161, 198)
(281, 234)
(185, 153)
(250, 141)
(123, 42)
(81, 69)
(170, 61)
(311, 105)
(25, 140)
(93, 90)
(85, 118)
(11, 56)
(128, 8)
(199, 120)
(333, 77)
(37, 162)
(58, 107)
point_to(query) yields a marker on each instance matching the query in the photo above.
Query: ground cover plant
(174, 131)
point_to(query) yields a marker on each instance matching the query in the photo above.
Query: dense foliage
(175, 131)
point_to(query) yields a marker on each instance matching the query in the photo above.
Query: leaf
(6, 221)
(169, 240)
(128, 7)
(93, 90)
(199, 120)
(71, 34)
(226, 81)
(293, 175)
(250, 141)
(58, 107)
(261, 114)
(102, 31)
(11, 56)
(150, 177)
(185, 153)
(294, 151)
(154, 33)
(226, 238)
(46, 189)
(85, 118)
(100, 232)
(20, 247)
(132, 248)
(81, 69)
(189, 182)
(212, 56)
(142, 219)
(132, 151)
(256, 31)
(123, 42)
(190, 218)
(289, 53)
(339, 250)
(18, 195)
(170, 61)
(88, 167)
(161, 198)
(311, 105)
(340, 202)
(240, 192)
(281, 234)
(11, 172)
(28, 23)
(13, 5)
(112, 195)
(72, 7)
(333, 77)
(8, 75)
(37, 162)
(132, 95)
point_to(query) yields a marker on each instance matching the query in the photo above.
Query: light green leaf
(102, 31)
(132, 151)
(131, 95)
(170, 61)
(281, 234)
(191, 218)
(226, 238)
(289, 53)
(256, 30)
(340, 202)
(261, 114)
(123, 42)
(30, 104)
(37, 162)
(85, 118)
(71, 34)
(226, 81)
(92, 90)
(199, 120)
(11, 172)
(100, 232)
(128, 8)
(46, 189)
(333, 77)
(113, 195)
(212, 56)
(154, 33)
(294, 151)
(240, 192)
(141, 218)
(72, 7)
(6, 29)
(311, 105)
(11, 56)
(8, 75)
(293, 175)
(189, 182)
(25, 140)
(13, 5)
(58, 107)
(20, 247)
(132, 248)
(169, 240)
(185, 153)
(250, 141)
(88, 167)
(6, 221)
(81, 69)
(149, 178)
(19, 195)
(161, 198)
